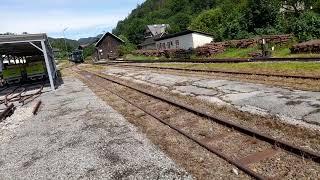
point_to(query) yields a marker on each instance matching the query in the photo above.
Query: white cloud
(82, 17)
(54, 21)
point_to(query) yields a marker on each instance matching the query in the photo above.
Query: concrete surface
(293, 106)
(77, 136)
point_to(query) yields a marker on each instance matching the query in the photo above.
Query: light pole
(64, 37)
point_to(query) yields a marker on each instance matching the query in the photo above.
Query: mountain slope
(225, 19)
(89, 40)
(62, 45)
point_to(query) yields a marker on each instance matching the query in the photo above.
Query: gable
(108, 35)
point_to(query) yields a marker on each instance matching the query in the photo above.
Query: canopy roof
(30, 45)
(19, 45)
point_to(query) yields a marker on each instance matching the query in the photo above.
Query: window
(177, 43)
(158, 46)
(163, 45)
(168, 45)
(171, 43)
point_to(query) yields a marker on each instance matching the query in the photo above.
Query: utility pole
(64, 37)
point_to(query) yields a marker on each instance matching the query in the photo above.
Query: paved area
(293, 106)
(77, 136)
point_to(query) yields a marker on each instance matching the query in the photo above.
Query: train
(76, 56)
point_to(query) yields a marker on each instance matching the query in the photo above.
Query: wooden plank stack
(307, 47)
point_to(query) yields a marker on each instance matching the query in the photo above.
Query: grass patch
(236, 53)
(279, 52)
(288, 68)
(283, 52)
(132, 57)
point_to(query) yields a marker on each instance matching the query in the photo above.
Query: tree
(127, 47)
(88, 51)
(297, 6)
(180, 21)
(306, 27)
(210, 21)
(262, 13)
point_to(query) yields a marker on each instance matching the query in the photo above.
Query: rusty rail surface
(4, 114)
(36, 108)
(15, 95)
(225, 72)
(304, 153)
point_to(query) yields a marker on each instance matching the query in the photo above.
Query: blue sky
(83, 18)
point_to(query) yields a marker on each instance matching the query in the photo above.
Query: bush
(306, 27)
(88, 51)
(127, 47)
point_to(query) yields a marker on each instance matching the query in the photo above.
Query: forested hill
(226, 19)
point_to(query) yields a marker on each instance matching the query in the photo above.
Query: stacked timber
(219, 47)
(169, 53)
(242, 43)
(277, 39)
(307, 47)
(149, 53)
(211, 49)
(178, 53)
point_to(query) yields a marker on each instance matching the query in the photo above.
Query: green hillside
(226, 19)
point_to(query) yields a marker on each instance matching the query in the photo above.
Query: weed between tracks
(300, 136)
(199, 162)
(282, 68)
(269, 125)
(288, 83)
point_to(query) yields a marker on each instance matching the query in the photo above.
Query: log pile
(211, 49)
(149, 53)
(307, 47)
(170, 53)
(277, 39)
(242, 43)
(217, 47)
(220, 47)
(177, 53)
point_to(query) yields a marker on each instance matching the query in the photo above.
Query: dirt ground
(196, 170)
(78, 136)
(199, 162)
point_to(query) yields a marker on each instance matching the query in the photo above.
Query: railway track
(20, 95)
(254, 153)
(223, 60)
(6, 112)
(223, 72)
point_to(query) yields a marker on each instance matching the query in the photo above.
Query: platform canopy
(30, 45)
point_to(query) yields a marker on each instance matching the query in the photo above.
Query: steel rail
(6, 112)
(29, 96)
(314, 156)
(222, 60)
(226, 72)
(36, 108)
(227, 158)
(14, 97)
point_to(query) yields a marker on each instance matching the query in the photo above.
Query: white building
(183, 40)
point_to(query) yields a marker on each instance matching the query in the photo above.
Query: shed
(188, 39)
(150, 43)
(24, 49)
(108, 46)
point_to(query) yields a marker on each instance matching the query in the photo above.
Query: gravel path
(77, 136)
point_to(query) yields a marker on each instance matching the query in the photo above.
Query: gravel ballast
(77, 136)
(291, 106)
